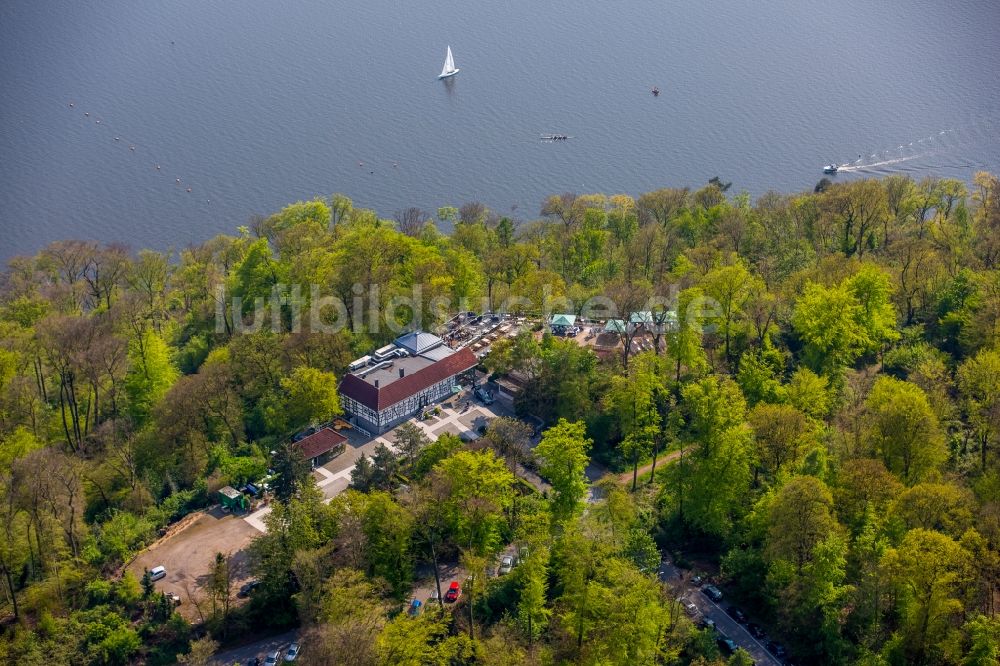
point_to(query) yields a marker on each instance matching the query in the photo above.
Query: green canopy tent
(667, 320)
(562, 324)
(615, 326)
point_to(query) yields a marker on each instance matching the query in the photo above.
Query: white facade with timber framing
(398, 383)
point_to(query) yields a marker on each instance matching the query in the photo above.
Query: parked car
(292, 653)
(737, 614)
(689, 606)
(707, 623)
(726, 644)
(697, 580)
(156, 573)
(755, 630)
(247, 588)
(272, 658)
(777, 649)
(415, 606)
(454, 592)
(483, 396)
(506, 564)
(253, 661)
(712, 592)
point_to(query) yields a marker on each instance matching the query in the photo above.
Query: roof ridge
(380, 398)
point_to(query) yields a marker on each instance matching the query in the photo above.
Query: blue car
(726, 645)
(415, 607)
(712, 592)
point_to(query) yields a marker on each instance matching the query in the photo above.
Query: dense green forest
(829, 401)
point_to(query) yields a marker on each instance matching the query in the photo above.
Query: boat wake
(953, 142)
(854, 166)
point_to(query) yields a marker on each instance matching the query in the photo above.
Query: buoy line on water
(134, 147)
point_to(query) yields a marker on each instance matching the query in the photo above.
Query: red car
(454, 592)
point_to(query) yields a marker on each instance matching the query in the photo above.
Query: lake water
(255, 103)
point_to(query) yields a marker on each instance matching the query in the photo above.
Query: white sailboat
(449, 68)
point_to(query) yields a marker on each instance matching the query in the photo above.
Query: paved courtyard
(460, 415)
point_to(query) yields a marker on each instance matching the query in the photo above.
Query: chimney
(376, 383)
(402, 371)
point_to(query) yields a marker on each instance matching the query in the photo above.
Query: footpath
(626, 477)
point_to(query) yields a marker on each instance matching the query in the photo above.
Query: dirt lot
(188, 555)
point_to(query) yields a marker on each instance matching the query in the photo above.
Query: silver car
(292, 653)
(689, 606)
(506, 564)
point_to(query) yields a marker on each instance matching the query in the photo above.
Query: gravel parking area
(188, 555)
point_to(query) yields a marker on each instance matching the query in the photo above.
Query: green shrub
(176, 506)
(98, 592)
(122, 535)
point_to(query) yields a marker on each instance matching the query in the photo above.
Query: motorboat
(831, 168)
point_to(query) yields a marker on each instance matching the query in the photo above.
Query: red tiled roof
(379, 398)
(319, 443)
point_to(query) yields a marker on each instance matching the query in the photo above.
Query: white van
(156, 573)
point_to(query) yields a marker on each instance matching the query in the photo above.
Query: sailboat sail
(449, 68)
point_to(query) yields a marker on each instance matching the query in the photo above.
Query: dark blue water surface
(256, 103)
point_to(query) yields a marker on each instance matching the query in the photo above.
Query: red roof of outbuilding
(319, 443)
(385, 396)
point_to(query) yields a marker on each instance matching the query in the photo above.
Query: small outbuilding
(319, 447)
(232, 499)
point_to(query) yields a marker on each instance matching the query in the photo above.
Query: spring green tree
(310, 397)
(479, 492)
(731, 287)
(979, 384)
(902, 429)
(928, 571)
(712, 478)
(563, 458)
(532, 609)
(801, 515)
(150, 373)
(840, 323)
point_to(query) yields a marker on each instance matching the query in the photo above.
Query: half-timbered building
(396, 384)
